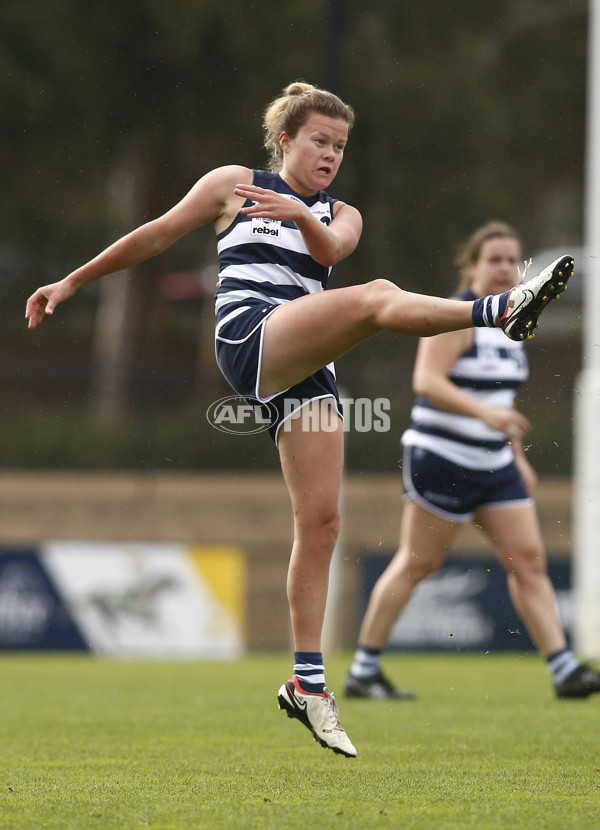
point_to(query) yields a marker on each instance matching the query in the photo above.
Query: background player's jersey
(490, 371)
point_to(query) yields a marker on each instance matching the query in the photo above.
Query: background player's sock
(366, 662)
(562, 664)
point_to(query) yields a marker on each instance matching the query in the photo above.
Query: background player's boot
(582, 682)
(376, 687)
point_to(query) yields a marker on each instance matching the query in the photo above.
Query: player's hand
(268, 204)
(508, 421)
(44, 301)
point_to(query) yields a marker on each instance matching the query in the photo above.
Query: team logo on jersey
(322, 213)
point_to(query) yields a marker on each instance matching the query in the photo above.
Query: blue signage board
(464, 606)
(32, 613)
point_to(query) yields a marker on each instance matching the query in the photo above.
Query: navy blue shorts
(457, 493)
(238, 347)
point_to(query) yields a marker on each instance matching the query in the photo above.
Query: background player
(464, 461)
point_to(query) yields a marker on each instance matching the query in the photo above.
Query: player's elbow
(421, 384)
(335, 251)
(156, 241)
(327, 261)
(155, 237)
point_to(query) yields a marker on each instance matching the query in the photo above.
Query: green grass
(90, 743)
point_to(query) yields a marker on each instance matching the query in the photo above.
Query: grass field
(91, 743)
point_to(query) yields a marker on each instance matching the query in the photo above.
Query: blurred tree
(467, 111)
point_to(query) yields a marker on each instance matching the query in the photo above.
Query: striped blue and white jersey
(267, 259)
(491, 371)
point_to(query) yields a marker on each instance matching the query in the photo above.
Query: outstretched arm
(212, 199)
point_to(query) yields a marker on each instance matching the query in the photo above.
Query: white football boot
(319, 713)
(527, 300)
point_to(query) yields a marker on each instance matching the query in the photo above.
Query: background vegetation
(465, 112)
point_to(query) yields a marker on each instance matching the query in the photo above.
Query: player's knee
(320, 524)
(529, 563)
(330, 523)
(378, 294)
(412, 568)
(380, 289)
(422, 571)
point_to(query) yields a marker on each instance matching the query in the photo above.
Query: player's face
(312, 158)
(496, 269)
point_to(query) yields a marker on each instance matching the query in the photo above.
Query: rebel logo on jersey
(266, 227)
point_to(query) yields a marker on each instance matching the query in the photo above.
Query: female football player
(278, 331)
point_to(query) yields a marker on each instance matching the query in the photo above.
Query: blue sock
(310, 671)
(488, 311)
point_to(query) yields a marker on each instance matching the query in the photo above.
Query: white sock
(562, 664)
(366, 662)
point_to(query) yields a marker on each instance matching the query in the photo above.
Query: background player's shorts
(457, 493)
(238, 346)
